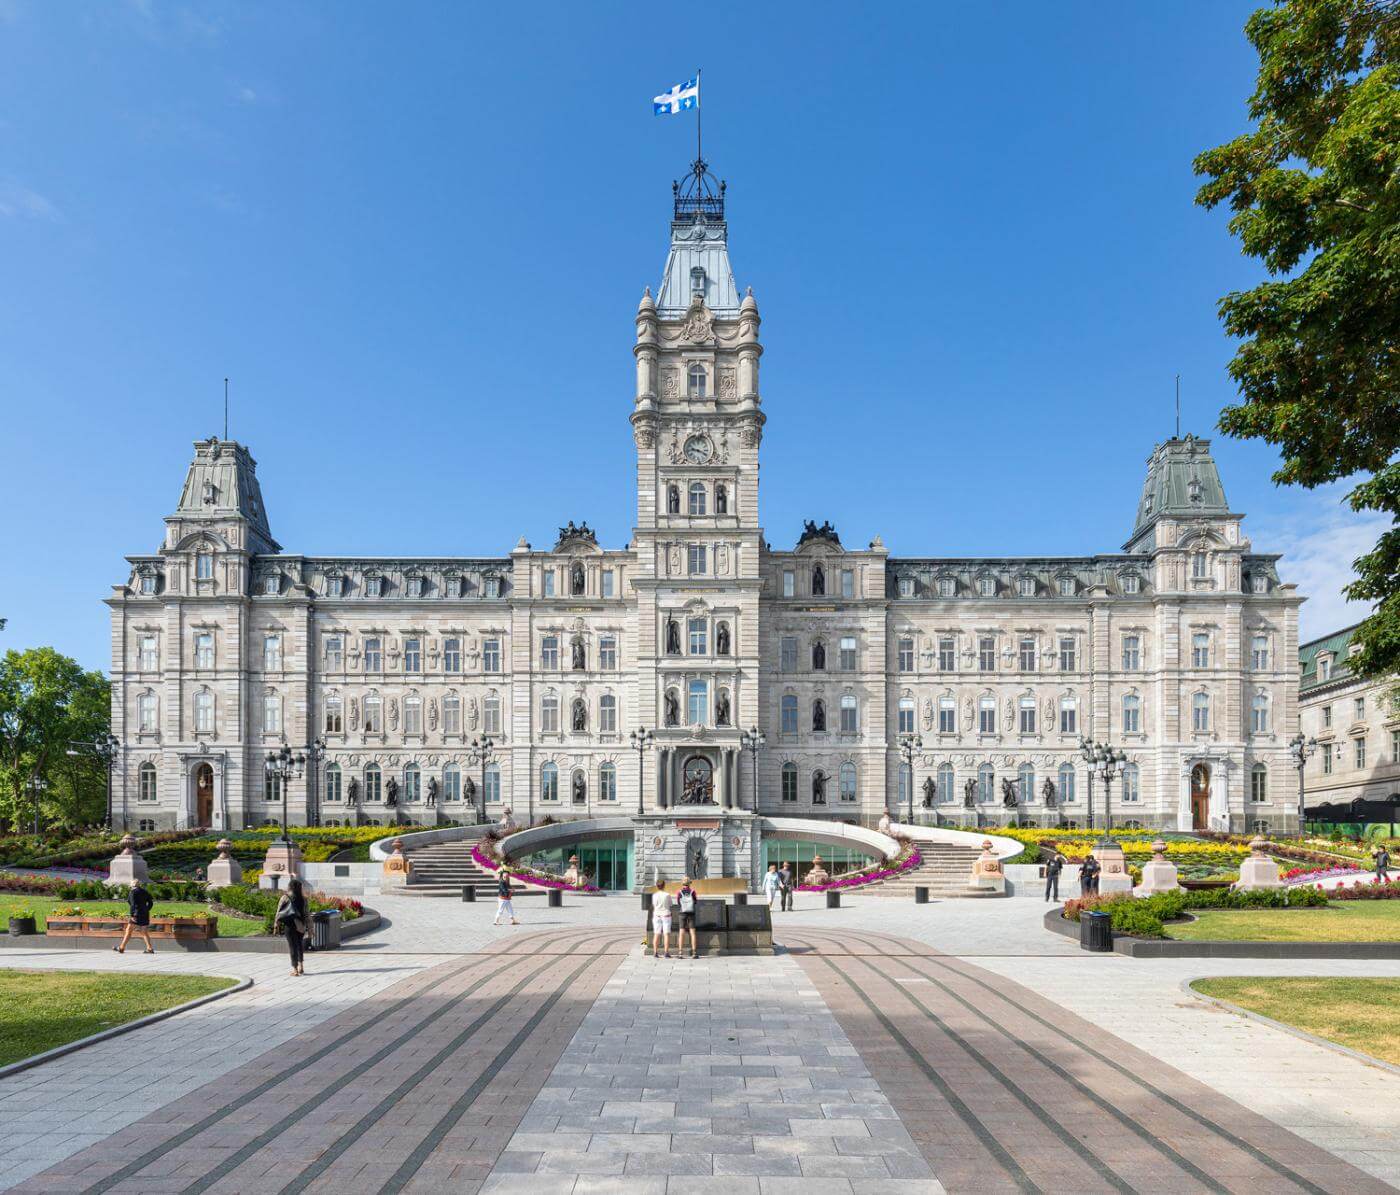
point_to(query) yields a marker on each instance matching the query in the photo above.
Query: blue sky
(414, 236)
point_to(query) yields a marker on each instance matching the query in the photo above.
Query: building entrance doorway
(204, 796)
(1200, 797)
(697, 782)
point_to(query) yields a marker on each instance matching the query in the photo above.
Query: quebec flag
(678, 99)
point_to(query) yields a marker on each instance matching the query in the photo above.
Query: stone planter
(22, 926)
(185, 929)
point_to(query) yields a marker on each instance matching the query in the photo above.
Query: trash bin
(469, 893)
(741, 898)
(1095, 931)
(646, 901)
(556, 898)
(325, 929)
(833, 900)
(921, 894)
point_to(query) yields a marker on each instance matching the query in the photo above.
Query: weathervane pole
(1178, 406)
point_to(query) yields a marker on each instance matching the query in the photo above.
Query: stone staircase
(443, 868)
(944, 872)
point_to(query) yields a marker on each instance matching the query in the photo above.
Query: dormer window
(906, 587)
(493, 587)
(204, 566)
(415, 586)
(695, 381)
(374, 586)
(1324, 667)
(210, 493)
(1147, 505)
(272, 585)
(1132, 583)
(1066, 586)
(1025, 586)
(947, 587)
(1259, 583)
(335, 586)
(148, 583)
(697, 281)
(1193, 490)
(987, 586)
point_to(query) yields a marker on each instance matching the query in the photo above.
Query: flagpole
(699, 157)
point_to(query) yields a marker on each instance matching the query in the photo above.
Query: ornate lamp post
(314, 755)
(482, 751)
(752, 739)
(908, 744)
(37, 787)
(284, 767)
(1089, 753)
(1301, 749)
(1103, 760)
(641, 739)
(105, 747)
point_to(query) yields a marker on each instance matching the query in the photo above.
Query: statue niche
(580, 715)
(818, 655)
(580, 788)
(722, 639)
(721, 499)
(697, 782)
(818, 582)
(580, 660)
(819, 714)
(673, 637)
(673, 708)
(818, 787)
(576, 578)
(722, 708)
(673, 499)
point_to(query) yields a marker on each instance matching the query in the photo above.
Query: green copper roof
(1182, 482)
(1338, 644)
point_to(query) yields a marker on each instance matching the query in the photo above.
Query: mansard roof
(222, 483)
(1338, 645)
(1182, 482)
(699, 251)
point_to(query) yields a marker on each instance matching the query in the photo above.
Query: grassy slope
(43, 1009)
(1357, 1013)
(1353, 921)
(229, 927)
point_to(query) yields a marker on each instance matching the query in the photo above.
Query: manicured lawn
(43, 1009)
(1349, 921)
(229, 927)
(1356, 1013)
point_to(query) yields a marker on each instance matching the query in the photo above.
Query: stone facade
(1178, 649)
(1356, 724)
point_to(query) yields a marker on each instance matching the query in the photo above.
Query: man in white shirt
(660, 921)
(772, 885)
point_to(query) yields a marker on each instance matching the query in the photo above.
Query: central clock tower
(697, 421)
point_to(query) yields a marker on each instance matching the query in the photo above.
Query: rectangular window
(335, 723)
(1132, 653)
(1027, 655)
(204, 650)
(490, 655)
(374, 655)
(413, 715)
(697, 630)
(452, 655)
(607, 653)
(335, 653)
(1068, 655)
(788, 654)
(848, 583)
(1326, 715)
(204, 713)
(848, 654)
(1395, 746)
(148, 654)
(549, 714)
(906, 655)
(789, 583)
(491, 715)
(789, 715)
(549, 651)
(374, 587)
(1359, 750)
(1132, 715)
(607, 714)
(451, 715)
(609, 581)
(148, 583)
(987, 716)
(697, 702)
(146, 713)
(1200, 713)
(849, 722)
(1324, 668)
(272, 653)
(491, 782)
(947, 655)
(1359, 710)
(697, 560)
(789, 783)
(1199, 565)
(1028, 715)
(549, 582)
(1326, 759)
(374, 718)
(1258, 784)
(204, 566)
(1259, 652)
(906, 717)
(413, 655)
(272, 787)
(947, 716)
(272, 714)
(986, 654)
(695, 501)
(451, 784)
(1200, 650)
(493, 588)
(1069, 718)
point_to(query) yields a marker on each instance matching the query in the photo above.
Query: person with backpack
(292, 920)
(138, 905)
(685, 903)
(1053, 868)
(785, 886)
(504, 904)
(660, 921)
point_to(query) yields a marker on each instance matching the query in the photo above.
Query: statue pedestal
(1114, 875)
(128, 865)
(987, 875)
(397, 868)
(1258, 871)
(1158, 875)
(225, 870)
(665, 843)
(281, 864)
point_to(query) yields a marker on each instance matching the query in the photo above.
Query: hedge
(1145, 917)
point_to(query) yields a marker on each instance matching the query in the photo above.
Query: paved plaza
(885, 1047)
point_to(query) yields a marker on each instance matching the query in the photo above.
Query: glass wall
(836, 859)
(606, 861)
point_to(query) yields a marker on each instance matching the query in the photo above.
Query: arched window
(847, 779)
(986, 784)
(697, 498)
(695, 381)
(1066, 783)
(1259, 783)
(790, 781)
(549, 782)
(204, 712)
(1132, 791)
(146, 782)
(452, 783)
(412, 783)
(945, 784)
(818, 714)
(332, 787)
(607, 782)
(493, 782)
(1259, 709)
(374, 783)
(1025, 783)
(1132, 714)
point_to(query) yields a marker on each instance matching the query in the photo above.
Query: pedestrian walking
(1089, 876)
(771, 884)
(1053, 868)
(685, 905)
(504, 904)
(786, 883)
(138, 905)
(1382, 860)
(660, 921)
(291, 920)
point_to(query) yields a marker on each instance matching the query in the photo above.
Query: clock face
(697, 450)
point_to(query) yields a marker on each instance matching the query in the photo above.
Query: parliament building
(391, 673)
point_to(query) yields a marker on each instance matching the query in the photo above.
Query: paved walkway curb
(367, 923)
(24, 1064)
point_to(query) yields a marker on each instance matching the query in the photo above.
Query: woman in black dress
(292, 918)
(138, 904)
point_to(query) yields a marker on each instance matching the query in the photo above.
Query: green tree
(46, 701)
(1315, 191)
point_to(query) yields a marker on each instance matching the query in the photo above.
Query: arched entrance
(1200, 797)
(204, 795)
(697, 782)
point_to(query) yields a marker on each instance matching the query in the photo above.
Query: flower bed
(1374, 890)
(1309, 872)
(907, 859)
(527, 875)
(73, 923)
(1145, 917)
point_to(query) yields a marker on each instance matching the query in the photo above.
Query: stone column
(722, 780)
